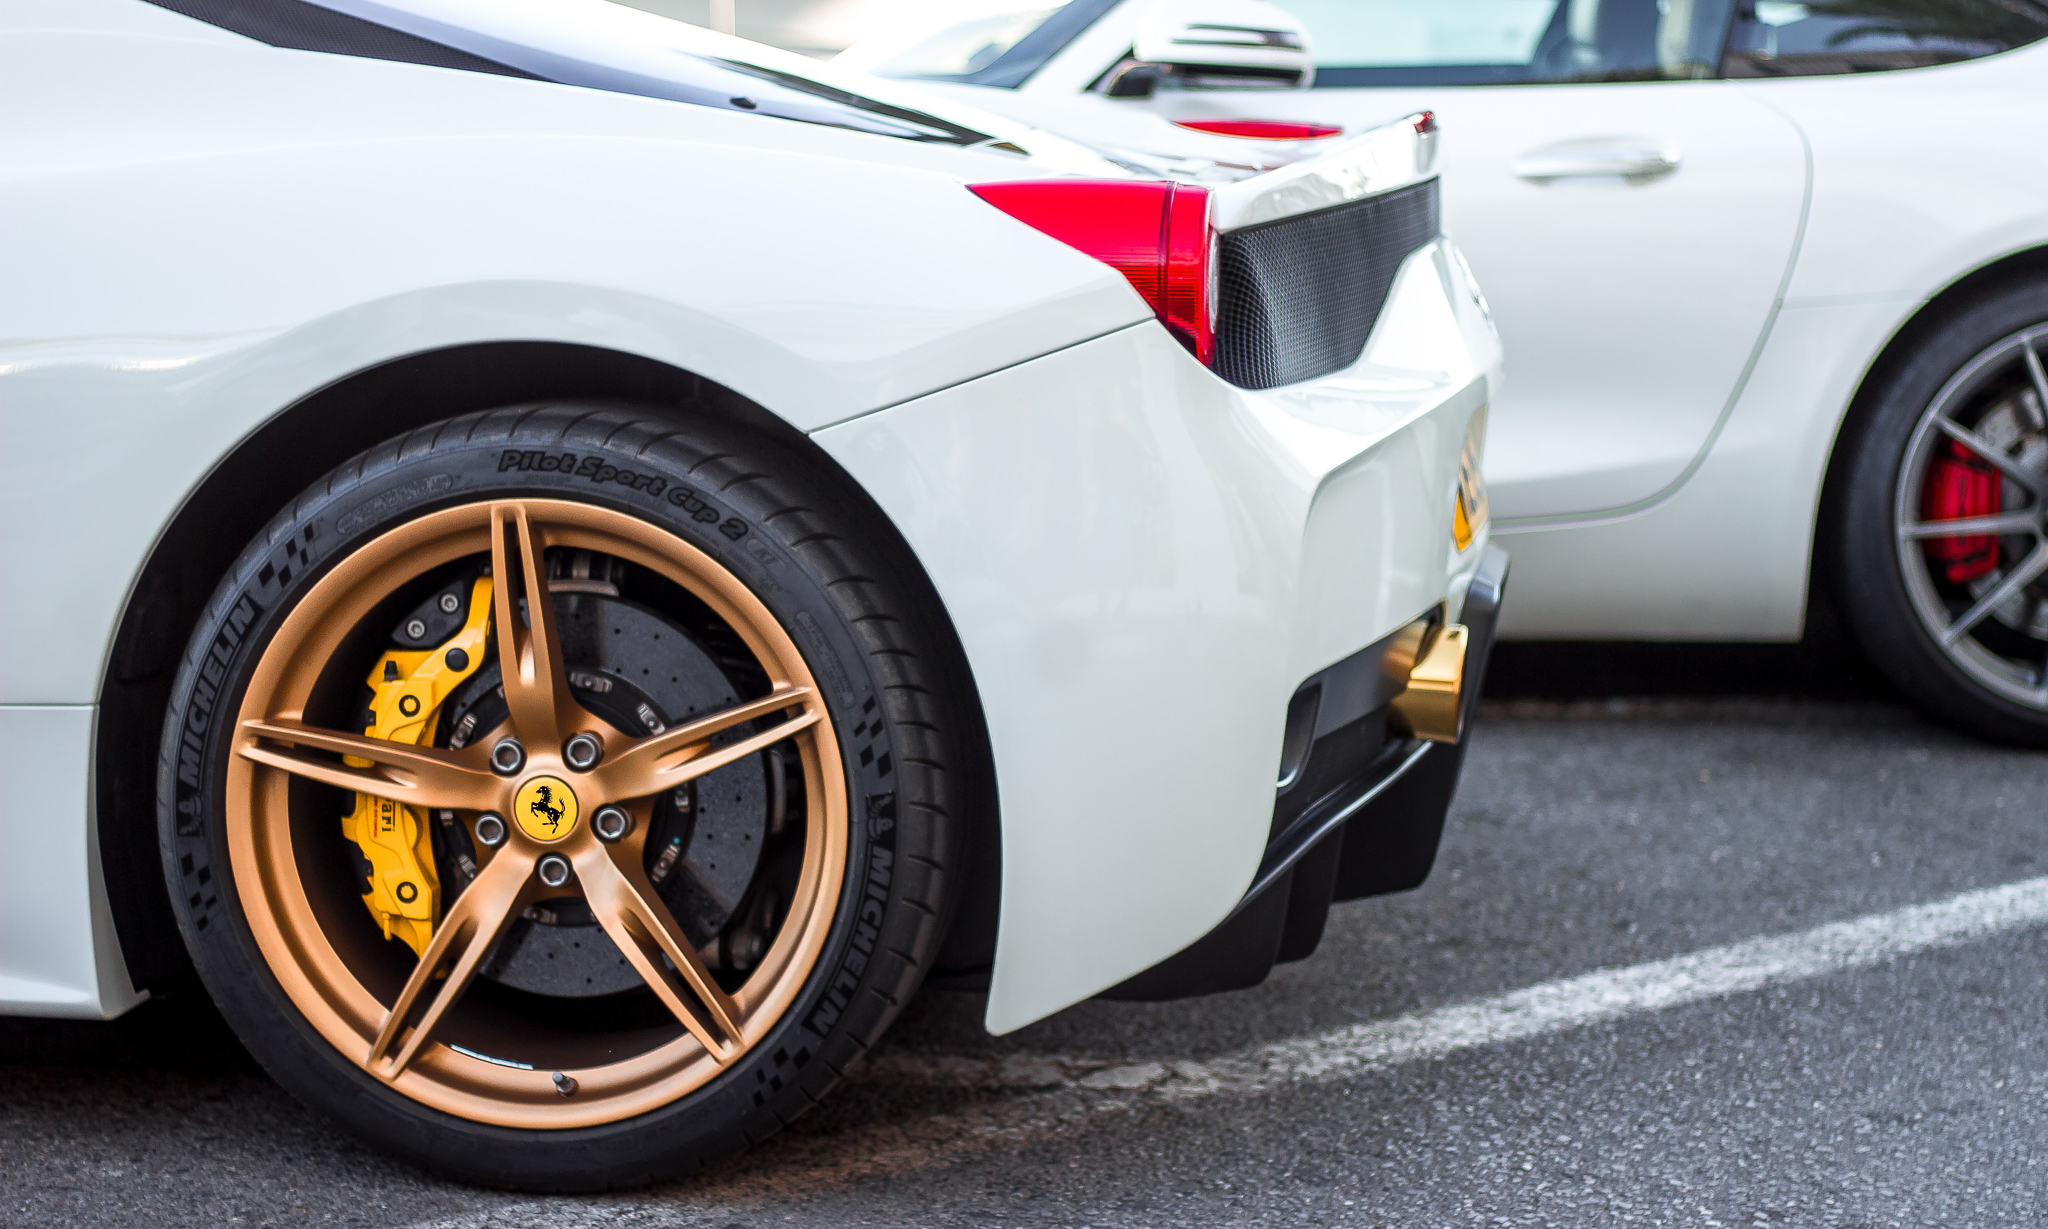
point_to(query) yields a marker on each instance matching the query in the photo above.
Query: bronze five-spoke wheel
(542, 814)
(551, 849)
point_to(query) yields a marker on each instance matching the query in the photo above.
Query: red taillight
(1425, 123)
(1961, 485)
(1155, 234)
(1262, 129)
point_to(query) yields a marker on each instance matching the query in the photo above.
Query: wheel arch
(291, 450)
(2027, 264)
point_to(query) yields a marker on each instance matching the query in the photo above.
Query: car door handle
(1635, 159)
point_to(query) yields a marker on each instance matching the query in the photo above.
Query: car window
(967, 47)
(1778, 38)
(1512, 42)
(1001, 48)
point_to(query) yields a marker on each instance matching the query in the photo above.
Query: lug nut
(449, 602)
(490, 830)
(507, 757)
(582, 752)
(553, 870)
(611, 823)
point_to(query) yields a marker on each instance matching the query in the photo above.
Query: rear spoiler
(1394, 155)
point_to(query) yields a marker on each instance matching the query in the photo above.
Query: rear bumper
(1142, 563)
(1361, 814)
(1390, 840)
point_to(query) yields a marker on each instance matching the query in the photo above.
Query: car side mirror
(1213, 44)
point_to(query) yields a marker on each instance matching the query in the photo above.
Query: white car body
(202, 231)
(1692, 279)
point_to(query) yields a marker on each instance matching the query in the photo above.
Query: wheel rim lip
(285, 925)
(1974, 659)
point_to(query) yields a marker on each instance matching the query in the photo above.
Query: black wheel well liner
(2026, 264)
(294, 448)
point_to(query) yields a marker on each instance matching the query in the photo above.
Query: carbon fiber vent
(1298, 297)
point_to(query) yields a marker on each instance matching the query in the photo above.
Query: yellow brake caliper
(408, 688)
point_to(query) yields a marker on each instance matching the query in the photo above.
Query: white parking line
(1076, 1087)
(1592, 998)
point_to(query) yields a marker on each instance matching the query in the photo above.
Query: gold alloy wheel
(415, 1029)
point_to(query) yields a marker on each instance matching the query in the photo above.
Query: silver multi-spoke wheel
(1970, 517)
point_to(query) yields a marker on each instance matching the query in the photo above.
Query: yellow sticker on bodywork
(1469, 510)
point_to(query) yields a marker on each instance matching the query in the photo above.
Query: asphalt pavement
(1535, 1037)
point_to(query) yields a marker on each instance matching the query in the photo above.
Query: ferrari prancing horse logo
(545, 809)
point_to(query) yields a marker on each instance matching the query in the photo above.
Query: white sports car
(565, 562)
(1770, 276)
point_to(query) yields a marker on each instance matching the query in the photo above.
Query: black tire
(1954, 367)
(804, 542)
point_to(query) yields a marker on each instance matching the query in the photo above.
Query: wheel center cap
(545, 809)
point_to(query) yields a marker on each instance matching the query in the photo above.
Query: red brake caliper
(1962, 484)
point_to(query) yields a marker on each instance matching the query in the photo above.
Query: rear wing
(1395, 155)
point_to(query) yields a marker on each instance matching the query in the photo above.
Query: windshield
(588, 43)
(999, 44)
(964, 49)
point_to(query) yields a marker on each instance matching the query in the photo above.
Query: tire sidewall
(532, 455)
(1869, 584)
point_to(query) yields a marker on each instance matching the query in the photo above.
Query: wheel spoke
(2029, 568)
(668, 759)
(631, 912)
(1967, 526)
(415, 776)
(1993, 455)
(459, 946)
(2035, 372)
(529, 651)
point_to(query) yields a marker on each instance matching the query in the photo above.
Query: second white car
(1772, 280)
